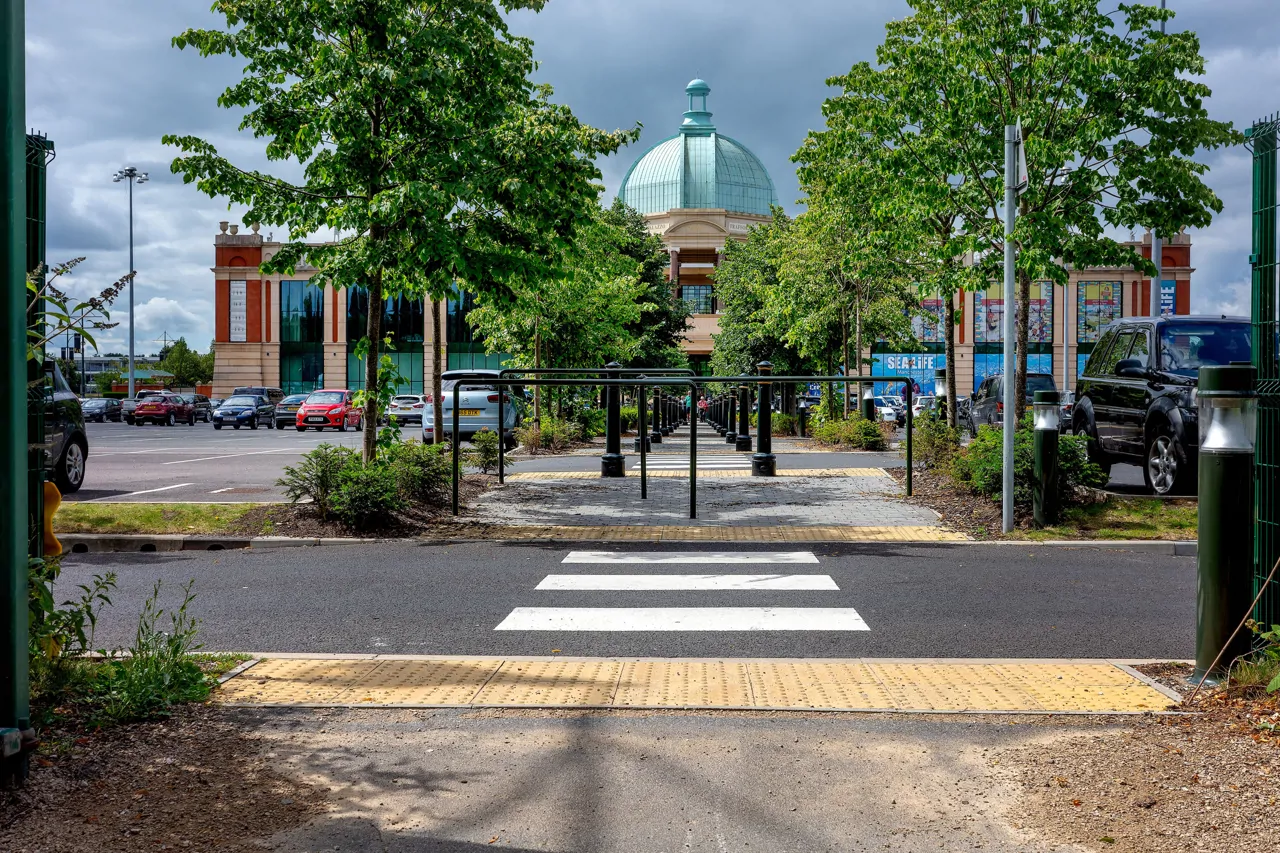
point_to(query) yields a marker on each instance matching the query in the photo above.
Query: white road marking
(683, 619)
(220, 491)
(686, 582)
(226, 456)
(143, 492)
(690, 557)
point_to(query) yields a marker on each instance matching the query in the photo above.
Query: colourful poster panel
(992, 364)
(1168, 298)
(928, 324)
(920, 366)
(1097, 304)
(988, 314)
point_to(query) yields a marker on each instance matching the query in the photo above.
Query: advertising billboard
(988, 314)
(1097, 304)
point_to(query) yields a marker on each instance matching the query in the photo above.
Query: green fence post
(743, 440)
(641, 441)
(656, 435)
(15, 712)
(730, 434)
(612, 463)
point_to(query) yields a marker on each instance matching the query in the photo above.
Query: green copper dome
(698, 168)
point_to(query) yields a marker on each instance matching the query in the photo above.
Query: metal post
(1047, 412)
(906, 393)
(693, 472)
(1157, 248)
(743, 441)
(730, 437)
(1224, 559)
(656, 435)
(502, 433)
(454, 442)
(641, 441)
(612, 463)
(1010, 370)
(802, 413)
(15, 710)
(131, 367)
(764, 463)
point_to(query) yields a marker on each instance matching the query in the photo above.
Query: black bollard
(656, 435)
(613, 463)
(743, 441)
(764, 463)
(730, 437)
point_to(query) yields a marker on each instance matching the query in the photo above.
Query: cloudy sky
(104, 84)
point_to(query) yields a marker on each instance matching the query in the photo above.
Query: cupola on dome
(699, 168)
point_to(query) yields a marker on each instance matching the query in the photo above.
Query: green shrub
(483, 452)
(554, 435)
(630, 416)
(367, 496)
(934, 444)
(424, 472)
(979, 467)
(856, 433)
(318, 476)
(590, 420)
(780, 424)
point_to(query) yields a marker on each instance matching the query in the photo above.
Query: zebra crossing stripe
(686, 582)
(683, 619)
(691, 557)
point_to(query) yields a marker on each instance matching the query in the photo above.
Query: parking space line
(143, 492)
(229, 456)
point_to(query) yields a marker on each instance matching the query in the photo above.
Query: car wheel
(1163, 472)
(973, 427)
(301, 429)
(70, 474)
(170, 420)
(253, 424)
(136, 421)
(360, 424)
(271, 424)
(237, 426)
(191, 421)
(217, 426)
(342, 424)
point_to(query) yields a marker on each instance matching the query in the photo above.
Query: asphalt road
(916, 601)
(199, 464)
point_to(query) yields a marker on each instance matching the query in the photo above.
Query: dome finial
(697, 119)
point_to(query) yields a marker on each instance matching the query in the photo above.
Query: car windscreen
(1039, 382)
(241, 400)
(446, 387)
(294, 398)
(407, 400)
(325, 398)
(1186, 347)
(95, 404)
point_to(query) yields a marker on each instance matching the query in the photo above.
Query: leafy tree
(107, 379)
(189, 368)
(70, 372)
(1112, 113)
(421, 138)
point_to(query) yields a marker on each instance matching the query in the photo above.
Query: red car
(329, 408)
(164, 408)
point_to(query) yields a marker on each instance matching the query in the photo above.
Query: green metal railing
(1266, 327)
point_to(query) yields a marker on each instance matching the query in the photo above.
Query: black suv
(1136, 399)
(66, 449)
(986, 406)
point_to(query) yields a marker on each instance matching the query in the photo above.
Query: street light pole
(130, 175)
(1157, 248)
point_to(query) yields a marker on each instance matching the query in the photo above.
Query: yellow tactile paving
(683, 473)
(421, 682)
(552, 683)
(692, 533)
(874, 685)
(296, 682)
(683, 684)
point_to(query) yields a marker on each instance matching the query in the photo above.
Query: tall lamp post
(130, 175)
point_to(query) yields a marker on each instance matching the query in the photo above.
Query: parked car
(329, 407)
(128, 404)
(923, 404)
(163, 407)
(287, 410)
(215, 402)
(987, 404)
(477, 406)
(962, 410)
(274, 395)
(1136, 399)
(251, 410)
(407, 408)
(204, 409)
(899, 410)
(66, 447)
(1064, 413)
(101, 409)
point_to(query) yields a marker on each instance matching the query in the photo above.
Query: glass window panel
(699, 297)
(1097, 304)
(988, 314)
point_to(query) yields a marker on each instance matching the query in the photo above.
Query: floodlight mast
(131, 175)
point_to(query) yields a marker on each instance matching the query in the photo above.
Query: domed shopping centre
(698, 189)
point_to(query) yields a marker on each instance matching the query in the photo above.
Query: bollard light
(869, 402)
(1227, 409)
(1046, 410)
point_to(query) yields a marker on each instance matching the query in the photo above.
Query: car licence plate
(316, 419)
(469, 413)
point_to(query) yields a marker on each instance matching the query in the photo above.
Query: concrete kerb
(88, 543)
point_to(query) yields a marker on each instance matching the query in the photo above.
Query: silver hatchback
(477, 405)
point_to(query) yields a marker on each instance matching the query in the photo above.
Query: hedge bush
(856, 433)
(554, 435)
(979, 467)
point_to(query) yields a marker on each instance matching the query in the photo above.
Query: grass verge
(179, 518)
(1122, 518)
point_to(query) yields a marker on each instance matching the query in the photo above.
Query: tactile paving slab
(954, 686)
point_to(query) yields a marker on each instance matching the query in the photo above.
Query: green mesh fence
(1266, 329)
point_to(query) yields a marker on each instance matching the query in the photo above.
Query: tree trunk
(537, 389)
(950, 345)
(844, 345)
(1023, 324)
(373, 330)
(438, 350)
(857, 346)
